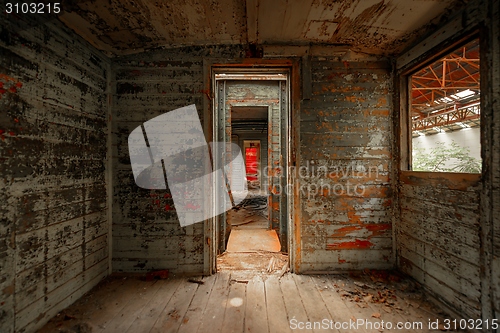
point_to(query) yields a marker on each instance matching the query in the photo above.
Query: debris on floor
(389, 290)
(196, 281)
(251, 212)
(158, 275)
(371, 296)
(257, 203)
(259, 262)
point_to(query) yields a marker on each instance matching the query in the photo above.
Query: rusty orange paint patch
(13, 88)
(351, 212)
(378, 227)
(351, 245)
(375, 229)
(326, 126)
(380, 112)
(353, 217)
(382, 101)
(7, 78)
(354, 99)
(342, 232)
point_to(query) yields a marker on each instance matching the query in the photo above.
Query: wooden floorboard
(116, 303)
(276, 315)
(242, 302)
(151, 312)
(357, 305)
(256, 310)
(339, 311)
(174, 312)
(293, 301)
(234, 317)
(194, 315)
(314, 306)
(216, 306)
(129, 313)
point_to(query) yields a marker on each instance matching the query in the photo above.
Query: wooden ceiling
(384, 27)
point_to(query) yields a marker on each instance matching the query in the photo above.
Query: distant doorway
(251, 111)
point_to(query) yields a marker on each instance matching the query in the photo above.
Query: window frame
(403, 99)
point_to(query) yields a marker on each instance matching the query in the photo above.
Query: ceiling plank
(296, 18)
(271, 16)
(252, 8)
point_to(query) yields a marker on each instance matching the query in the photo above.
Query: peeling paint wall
(438, 237)
(53, 134)
(447, 234)
(491, 182)
(345, 126)
(344, 171)
(146, 231)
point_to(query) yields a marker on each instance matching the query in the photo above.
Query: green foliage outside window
(445, 158)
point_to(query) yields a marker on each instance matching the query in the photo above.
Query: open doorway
(252, 111)
(250, 228)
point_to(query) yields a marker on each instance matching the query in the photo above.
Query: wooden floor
(248, 302)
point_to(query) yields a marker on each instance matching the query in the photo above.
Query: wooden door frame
(258, 66)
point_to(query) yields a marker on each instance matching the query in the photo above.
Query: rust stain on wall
(342, 128)
(350, 245)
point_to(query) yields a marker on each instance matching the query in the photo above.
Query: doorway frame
(211, 67)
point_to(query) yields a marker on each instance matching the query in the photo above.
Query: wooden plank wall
(448, 233)
(146, 231)
(346, 125)
(490, 196)
(439, 239)
(344, 171)
(53, 131)
(275, 173)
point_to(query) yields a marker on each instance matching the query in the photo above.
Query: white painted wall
(467, 137)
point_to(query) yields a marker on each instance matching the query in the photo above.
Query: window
(444, 111)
